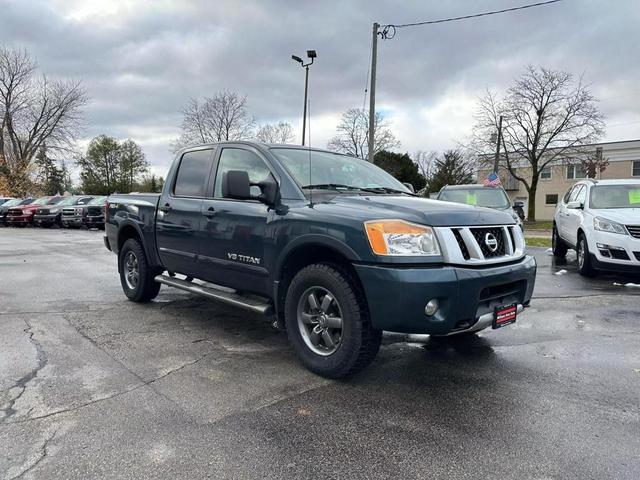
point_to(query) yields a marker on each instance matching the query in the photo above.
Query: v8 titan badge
(504, 315)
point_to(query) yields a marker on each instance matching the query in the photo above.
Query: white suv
(600, 219)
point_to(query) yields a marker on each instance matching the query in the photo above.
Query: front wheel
(584, 257)
(136, 276)
(328, 322)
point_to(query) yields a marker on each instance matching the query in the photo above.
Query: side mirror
(409, 186)
(235, 184)
(574, 205)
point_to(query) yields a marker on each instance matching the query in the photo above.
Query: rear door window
(193, 174)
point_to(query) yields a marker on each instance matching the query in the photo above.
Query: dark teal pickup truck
(332, 246)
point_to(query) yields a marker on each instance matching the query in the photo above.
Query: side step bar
(229, 298)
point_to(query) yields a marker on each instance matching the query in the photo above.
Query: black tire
(101, 226)
(358, 341)
(584, 257)
(557, 245)
(144, 288)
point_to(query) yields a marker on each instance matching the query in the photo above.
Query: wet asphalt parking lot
(94, 386)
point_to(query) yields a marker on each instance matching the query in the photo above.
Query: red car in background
(23, 214)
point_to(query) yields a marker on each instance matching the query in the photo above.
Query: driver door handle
(209, 212)
(165, 208)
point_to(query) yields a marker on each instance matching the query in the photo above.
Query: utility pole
(304, 114)
(496, 160)
(372, 92)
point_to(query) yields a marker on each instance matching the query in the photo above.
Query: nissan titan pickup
(332, 246)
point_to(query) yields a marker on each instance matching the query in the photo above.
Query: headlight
(605, 225)
(397, 237)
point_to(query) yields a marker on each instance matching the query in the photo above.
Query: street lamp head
(296, 58)
(311, 54)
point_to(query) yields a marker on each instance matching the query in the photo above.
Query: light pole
(312, 55)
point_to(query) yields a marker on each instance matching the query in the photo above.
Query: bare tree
(353, 133)
(594, 163)
(425, 161)
(34, 110)
(214, 119)
(546, 116)
(281, 132)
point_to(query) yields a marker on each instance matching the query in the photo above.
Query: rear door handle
(209, 212)
(165, 208)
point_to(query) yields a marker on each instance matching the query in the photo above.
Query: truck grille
(634, 230)
(68, 212)
(476, 246)
(490, 240)
(42, 211)
(14, 212)
(95, 211)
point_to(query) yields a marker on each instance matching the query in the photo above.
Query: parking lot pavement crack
(21, 383)
(44, 453)
(144, 382)
(117, 394)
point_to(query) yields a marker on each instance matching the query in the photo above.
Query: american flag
(493, 180)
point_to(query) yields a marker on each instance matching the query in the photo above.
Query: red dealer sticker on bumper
(505, 315)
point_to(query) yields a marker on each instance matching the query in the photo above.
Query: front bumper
(18, 219)
(48, 219)
(69, 220)
(467, 296)
(614, 252)
(93, 221)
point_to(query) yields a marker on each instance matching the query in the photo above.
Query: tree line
(547, 116)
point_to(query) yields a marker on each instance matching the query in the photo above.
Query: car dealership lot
(92, 385)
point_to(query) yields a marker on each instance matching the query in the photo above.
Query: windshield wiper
(386, 190)
(331, 186)
(338, 186)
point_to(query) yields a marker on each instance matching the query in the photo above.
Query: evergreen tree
(400, 166)
(451, 169)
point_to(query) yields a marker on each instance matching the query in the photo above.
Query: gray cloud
(141, 61)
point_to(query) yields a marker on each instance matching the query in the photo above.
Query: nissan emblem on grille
(491, 241)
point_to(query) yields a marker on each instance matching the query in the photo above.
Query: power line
(389, 31)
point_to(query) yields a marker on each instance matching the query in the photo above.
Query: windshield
(98, 201)
(11, 203)
(66, 201)
(26, 201)
(482, 197)
(42, 201)
(615, 196)
(332, 168)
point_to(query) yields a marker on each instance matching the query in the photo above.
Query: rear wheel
(557, 245)
(328, 322)
(136, 276)
(584, 257)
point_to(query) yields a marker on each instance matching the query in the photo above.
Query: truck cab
(334, 247)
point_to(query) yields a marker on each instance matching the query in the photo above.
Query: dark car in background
(90, 215)
(480, 196)
(49, 215)
(21, 215)
(15, 202)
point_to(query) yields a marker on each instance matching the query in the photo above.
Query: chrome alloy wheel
(132, 272)
(320, 320)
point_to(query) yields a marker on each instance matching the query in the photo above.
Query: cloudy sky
(142, 60)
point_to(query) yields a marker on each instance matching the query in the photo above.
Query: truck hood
(419, 210)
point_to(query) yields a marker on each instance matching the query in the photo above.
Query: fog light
(432, 307)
